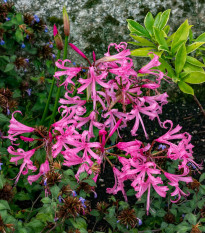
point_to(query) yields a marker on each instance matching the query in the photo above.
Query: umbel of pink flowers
(116, 91)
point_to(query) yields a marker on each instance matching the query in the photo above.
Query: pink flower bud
(77, 50)
(55, 30)
(66, 22)
(25, 139)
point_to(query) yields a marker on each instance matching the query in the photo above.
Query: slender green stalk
(50, 94)
(61, 79)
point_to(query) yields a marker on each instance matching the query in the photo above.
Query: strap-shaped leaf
(138, 29)
(142, 52)
(195, 77)
(157, 20)
(143, 41)
(194, 61)
(164, 19)
(201, 38)
(184, 87)
(166, 29)
(180, 58)
(167, 68)
(190, 68)
(148, 22)
(194, 46)
(159, 36)
(180, 36)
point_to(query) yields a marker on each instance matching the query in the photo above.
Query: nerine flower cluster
(115, 95)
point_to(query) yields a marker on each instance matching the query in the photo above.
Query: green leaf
(46, 200)
(160, 39)
(184, 87)
(180, 59)
(201, 38)
(131, 192)
(191, 218)
(202, 177)
(148, 22)
(180, 36)
(19, 18)
(83, 175)
(95, 213)
(194, 61)
(9, 67)
(142, 52)
(19, 36)
(55, 191)
(1, 182)
(194, 46)
(188, 67)
(166, 29)
(164, 19)
(6, 58)
(68, 172)
(166, 67)
(91, 182)
(3, 118)
(143, 41)
(157, 20)
(138, 29)
(195, 77)
(79, 223)
(4, 205)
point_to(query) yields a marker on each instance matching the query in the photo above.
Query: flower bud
(66, 22)
(59, 42)
(55, 30)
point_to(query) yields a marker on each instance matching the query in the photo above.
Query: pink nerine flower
(175, 183)
(70, 72)
(44, 168)
(17, 128)
(27, 163)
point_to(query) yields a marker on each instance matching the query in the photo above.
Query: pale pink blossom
(44, 168)
(16, 128)
(70, 72)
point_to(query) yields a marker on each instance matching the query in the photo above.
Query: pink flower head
(55, 30)
(16, 128)
(78, 50)
(119, 185)
(70, 72)
(44, 168)
(153, 63)
(27, 163)
(175, 183)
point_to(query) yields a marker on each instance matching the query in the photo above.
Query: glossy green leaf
(194, 61)
(142, 52)
(190, 68)
(194, 46)
(180, 58)
(160, 39)
(3, 118)
(83, 175)
(195, 77)
(166, 29)
(143, 41)
(157, 20)
(180, 36)
(138, 29)
(167, 68)
(164, 19)
(201, 38)
(148, 22)
(184, 87)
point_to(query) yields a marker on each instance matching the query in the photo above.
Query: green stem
(50, 94)
(61, 79)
